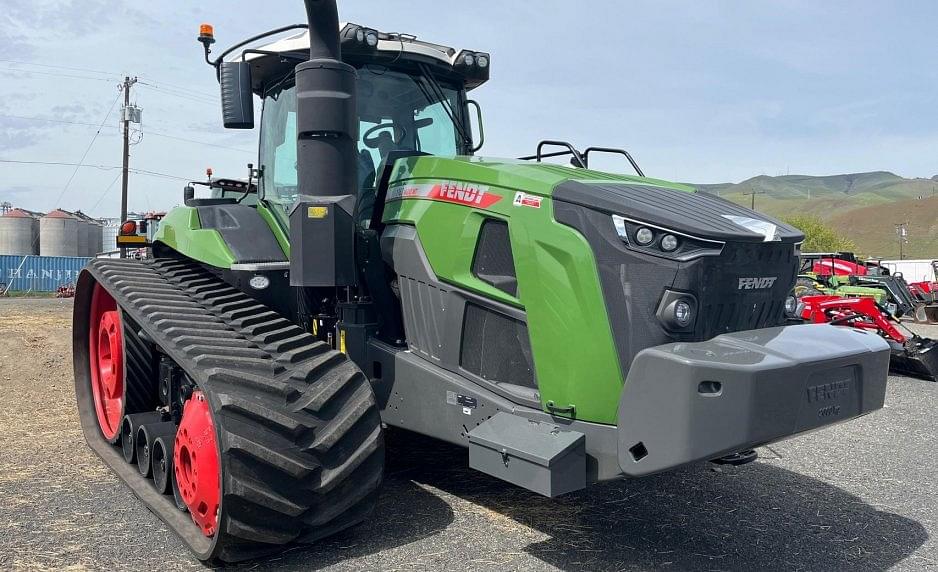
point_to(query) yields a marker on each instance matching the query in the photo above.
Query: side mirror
(478, 108)
(237, 99)
(188, 193)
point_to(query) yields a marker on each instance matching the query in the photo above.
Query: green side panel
(558, 283)
(275, 227)
(182, 231)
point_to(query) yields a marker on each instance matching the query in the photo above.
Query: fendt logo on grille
(757, 283)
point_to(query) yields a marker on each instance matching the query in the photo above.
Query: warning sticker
(526, 200)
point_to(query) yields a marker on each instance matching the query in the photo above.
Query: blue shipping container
(38, 273)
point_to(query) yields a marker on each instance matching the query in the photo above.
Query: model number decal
(447, 191)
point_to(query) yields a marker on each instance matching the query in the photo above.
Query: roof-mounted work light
(359, 38)
(472, 64)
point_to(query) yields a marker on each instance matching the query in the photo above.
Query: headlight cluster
(653, 239)
(466, 60)
(359, 37)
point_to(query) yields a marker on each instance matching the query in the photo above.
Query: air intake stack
(322, 225)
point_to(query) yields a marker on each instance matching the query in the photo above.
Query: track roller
(144, 442)
(161, 460)
(129, 428)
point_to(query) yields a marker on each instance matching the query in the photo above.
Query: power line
(50, 120)
(58, 67)
(187, 97)
(182, 92)
(58, 163)
(164, 84)
(53, 74)
(101, 167)
(104, 194)
(149, 132)
(88, 149)
(157, 134)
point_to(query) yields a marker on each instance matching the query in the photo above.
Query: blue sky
(697, 91)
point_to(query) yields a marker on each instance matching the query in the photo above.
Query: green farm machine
(565, 325)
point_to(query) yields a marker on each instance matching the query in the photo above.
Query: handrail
(616, 151)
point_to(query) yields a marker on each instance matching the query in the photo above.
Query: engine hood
(691, 212)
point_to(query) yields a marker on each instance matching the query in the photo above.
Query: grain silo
(87, 234)
(97, 239)
(110, 231)
(19, 233)
(59, 234)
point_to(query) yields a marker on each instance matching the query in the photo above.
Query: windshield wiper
(444, 101)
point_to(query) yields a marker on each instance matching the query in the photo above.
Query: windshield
(397, 111)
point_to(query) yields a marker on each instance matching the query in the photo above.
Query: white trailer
(912, 270)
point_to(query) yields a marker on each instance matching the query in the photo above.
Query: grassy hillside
(874, 232)
(863, 206)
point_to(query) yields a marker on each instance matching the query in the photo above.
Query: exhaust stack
(322, 222)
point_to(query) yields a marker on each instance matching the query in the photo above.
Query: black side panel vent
(496, 347)
(493, 263)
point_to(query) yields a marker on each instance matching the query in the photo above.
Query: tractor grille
(719, 319)
(725, 307)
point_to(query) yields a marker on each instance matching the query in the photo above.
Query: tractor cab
(411, 99)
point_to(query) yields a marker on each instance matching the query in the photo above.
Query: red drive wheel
(195, 463)
(106, 361)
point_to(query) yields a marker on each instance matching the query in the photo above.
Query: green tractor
(566, 326)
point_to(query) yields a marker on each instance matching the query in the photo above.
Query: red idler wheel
(195, 463)
(106, 356)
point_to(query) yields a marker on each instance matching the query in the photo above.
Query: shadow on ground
(758, 516)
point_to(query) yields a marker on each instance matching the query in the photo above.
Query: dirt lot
(860, 496)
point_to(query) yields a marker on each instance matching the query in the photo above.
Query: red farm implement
(911, 354)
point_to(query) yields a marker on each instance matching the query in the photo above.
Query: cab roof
(392, 48)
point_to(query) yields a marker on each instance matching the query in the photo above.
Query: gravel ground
(859, 496)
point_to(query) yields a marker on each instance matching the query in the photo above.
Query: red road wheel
(195, 463)
(106, 356)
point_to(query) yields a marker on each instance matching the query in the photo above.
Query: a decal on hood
(448, 191)
(758, 226)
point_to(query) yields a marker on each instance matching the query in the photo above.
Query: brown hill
(870, 226)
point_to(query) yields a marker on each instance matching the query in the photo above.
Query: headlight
(644, 236)
(371, 38)
(649, 238)
(482, 60)
(468, 59)
(668, 243)
(791, 306)
(682, 313)
(677, 311)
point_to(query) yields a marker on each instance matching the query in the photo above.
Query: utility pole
(754, 193)
(902, 232)
(125, 120)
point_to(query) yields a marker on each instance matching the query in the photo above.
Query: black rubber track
(298, 428)
(140, 370)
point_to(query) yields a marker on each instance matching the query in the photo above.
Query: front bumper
(688, 402)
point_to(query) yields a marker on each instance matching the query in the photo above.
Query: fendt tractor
(567, 326)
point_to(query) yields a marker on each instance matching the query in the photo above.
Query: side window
(285, 155)
(435, 130)
(493, 262)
